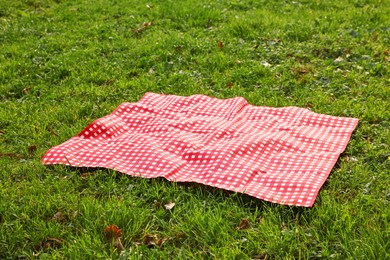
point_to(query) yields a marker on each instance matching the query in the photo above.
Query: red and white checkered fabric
(281, 155)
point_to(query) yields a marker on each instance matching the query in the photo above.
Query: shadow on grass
(197, 189)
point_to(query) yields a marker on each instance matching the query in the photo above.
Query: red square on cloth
(282, 155)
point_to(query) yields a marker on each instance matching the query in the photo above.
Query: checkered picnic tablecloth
(281, 155)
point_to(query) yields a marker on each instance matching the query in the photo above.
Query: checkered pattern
(281, 155)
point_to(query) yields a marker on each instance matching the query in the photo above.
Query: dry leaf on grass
(143, 27)
(112, 231)
(108, 82)
(265, 63)
(277, 40)
(59, 217)
(220, 45)
(74, 215)
(169, 206)
(114, 234)
(86, 175)
(244, 224)
(26, 90)
(149, 240)
(147, 24)
(351, 159)
(153, 240)
(49, 242)
(31, 149)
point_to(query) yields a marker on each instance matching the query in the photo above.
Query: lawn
(65, 63)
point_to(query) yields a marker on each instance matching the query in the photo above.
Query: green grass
(65, 63)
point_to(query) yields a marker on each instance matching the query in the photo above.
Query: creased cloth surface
(281, 155)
